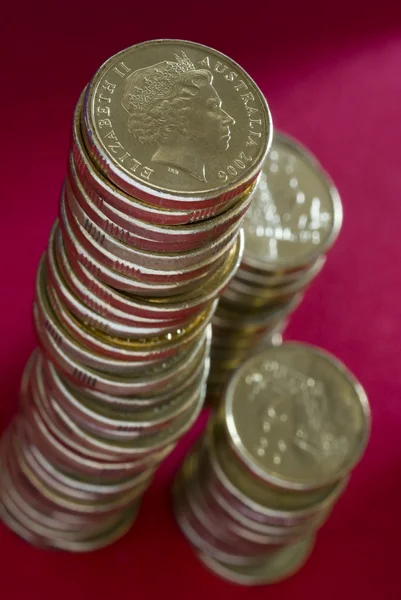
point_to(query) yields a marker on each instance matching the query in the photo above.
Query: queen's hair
(168, 111)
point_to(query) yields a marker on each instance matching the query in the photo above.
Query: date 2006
(238, 165)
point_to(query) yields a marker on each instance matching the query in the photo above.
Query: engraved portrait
(175, 108)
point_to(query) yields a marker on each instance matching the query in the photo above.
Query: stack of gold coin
(168, 141)
(294, 219)
(273, 461)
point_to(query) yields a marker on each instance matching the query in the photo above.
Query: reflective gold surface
(175, 120)
(297, 416)
(296, 214)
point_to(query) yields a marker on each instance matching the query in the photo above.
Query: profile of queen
(174, 107)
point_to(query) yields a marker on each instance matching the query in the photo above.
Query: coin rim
(152, 191)
(244, 454)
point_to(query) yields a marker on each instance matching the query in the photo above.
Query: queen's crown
(157, 79)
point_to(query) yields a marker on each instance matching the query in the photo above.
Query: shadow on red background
(331, 74)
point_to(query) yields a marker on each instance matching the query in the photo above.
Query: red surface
(332, 75)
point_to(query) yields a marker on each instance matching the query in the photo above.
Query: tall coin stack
(168, 140)
(294, 219)
(252, 493)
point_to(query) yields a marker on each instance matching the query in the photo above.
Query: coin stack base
(281, 565)
(255, 489)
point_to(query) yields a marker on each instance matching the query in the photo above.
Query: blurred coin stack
(168, 140)
(294, 219)
(252, 493)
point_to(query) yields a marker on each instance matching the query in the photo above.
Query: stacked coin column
(294, 219)
(273, 461)
(147, 238)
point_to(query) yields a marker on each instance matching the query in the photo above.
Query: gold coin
(296, 213)
(297, 417)
(176, 124)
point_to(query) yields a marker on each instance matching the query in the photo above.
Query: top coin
(296, 212)
(297, 417)
(176, 124)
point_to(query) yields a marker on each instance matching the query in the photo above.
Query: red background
(331, 72)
